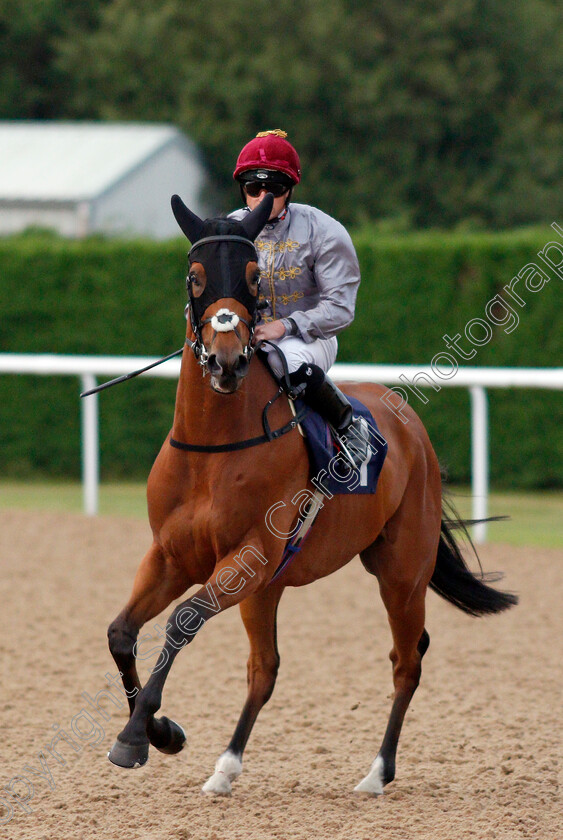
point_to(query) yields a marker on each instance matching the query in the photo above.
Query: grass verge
(536, 519)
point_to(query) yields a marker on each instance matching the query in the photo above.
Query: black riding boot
(315, 388)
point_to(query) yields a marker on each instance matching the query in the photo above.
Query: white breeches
(321, 352)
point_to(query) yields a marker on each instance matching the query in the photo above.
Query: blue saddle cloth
(331, 471)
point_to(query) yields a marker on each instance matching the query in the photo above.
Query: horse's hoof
(171, 738)
(129, 756)
(372, 788)
(218, 784)
(373, 782)
(228, 767)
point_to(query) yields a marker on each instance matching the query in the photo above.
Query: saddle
(330, 471)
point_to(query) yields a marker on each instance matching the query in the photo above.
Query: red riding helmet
(269, 150)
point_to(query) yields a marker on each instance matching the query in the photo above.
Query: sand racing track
(480, 755)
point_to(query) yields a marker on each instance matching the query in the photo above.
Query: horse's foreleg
(258, 613)
(154, 588)
(226, 587)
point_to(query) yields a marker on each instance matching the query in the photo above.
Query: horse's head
(223, 283)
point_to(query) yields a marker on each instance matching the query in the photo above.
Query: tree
(432, 112)
(31, 85)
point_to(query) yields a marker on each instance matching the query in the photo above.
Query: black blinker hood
(225, 264)
(224, 247)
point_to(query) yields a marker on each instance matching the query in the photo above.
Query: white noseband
(224, 320)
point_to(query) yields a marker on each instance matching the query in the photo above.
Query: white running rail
(476, 379)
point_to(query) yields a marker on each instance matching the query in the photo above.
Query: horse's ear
(255, 221)
(191, 225)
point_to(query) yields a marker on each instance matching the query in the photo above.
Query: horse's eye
(193, 279)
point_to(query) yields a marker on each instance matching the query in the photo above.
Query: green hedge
(121, 298)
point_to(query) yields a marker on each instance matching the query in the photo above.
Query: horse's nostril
(241, 368)
(228, 366)
(213, 365)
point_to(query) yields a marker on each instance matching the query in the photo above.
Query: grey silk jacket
(309, 271)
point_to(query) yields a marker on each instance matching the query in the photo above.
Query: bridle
(224, 320)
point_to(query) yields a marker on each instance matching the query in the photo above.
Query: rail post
(90, 447)
(479, 460)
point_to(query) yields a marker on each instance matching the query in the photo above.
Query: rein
(268, 435)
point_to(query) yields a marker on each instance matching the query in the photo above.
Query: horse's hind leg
(410, 642)
(403, 581)
(258, 613)
(154, 588)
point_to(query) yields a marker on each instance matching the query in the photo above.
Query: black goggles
(254, 188)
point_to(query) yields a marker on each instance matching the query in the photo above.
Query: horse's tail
(454, 581)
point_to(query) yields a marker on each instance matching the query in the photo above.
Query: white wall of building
(140, 202)
(81, 178)
(67, 219)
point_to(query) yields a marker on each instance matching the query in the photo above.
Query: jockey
(310, 277)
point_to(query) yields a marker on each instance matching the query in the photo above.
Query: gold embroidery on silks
(271, 274)
(285, 299)
(284, 273)
(281, 274)
(277, 247)
(289, 245)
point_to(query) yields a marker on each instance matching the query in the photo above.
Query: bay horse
(211, 496)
